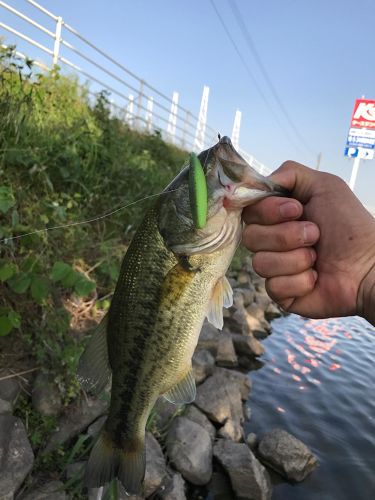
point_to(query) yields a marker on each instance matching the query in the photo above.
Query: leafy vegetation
(64, 158)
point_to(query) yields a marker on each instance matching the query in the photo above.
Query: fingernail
(315, 275)
(289, 210)
(310, 233)
(313, 255)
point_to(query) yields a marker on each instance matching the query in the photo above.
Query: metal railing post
(139, 103)
(148, 117)
(185, 128)
(56, 47)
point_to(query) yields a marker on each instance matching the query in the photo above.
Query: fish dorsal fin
(222, 296)
(94, 370)
(183, 392)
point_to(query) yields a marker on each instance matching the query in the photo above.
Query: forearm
(366, 297)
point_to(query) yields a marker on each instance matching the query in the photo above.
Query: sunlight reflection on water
(318, 383)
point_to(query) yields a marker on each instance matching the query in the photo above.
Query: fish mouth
(244, 196)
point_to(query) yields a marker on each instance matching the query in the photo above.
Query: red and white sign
(363, 114)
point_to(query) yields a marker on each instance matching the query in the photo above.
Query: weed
(64, 158)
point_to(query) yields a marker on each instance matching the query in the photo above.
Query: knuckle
(310, 280)
(288, 165)
(258, 263)
(305, 258)
(281, 239)
(247, 239)
(271, 289)
(286, 304)
(332, 180)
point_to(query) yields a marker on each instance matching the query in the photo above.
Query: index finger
(272, 210)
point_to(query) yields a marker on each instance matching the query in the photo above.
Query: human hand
(317, 250)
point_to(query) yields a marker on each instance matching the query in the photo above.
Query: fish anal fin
(184, 392)
(222, 296)
(94, 370)
(108, 461)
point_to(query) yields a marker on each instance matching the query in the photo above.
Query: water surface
(318, 382)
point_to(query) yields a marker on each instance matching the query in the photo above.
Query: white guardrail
(132, 99)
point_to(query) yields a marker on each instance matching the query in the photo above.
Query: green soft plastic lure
(197, 192)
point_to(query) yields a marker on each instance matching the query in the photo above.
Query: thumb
(297, 178)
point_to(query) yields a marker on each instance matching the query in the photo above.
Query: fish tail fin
(132, 466)
(108, 461)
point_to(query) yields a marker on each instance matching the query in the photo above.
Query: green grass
(64, 159)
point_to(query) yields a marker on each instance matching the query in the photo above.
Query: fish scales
(171, 278)
(165, 311)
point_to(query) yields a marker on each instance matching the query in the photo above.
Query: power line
(252, 47)
(246, 66)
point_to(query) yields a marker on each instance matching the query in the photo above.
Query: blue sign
(351, 152)
(360, 142)
(364, 154)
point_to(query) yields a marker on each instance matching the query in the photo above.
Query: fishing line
(87, 221)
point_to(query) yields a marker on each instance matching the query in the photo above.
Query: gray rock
(252, 440)
(226, 355)
(262, 298)
(243, 278)
(272, 312)
(220, 398)
(195, 415)
(174, 489)
(190, 450)
(238, 300)
(233, 282)
(248, 294)
(247, 345)
(236, 322)
(248, 477)
(208, 338)
(75, 420)
(5, 406)
(260, 333)
(256, 321)
(246, 411)
(203, 365)
(232, 429)
(9, 388)
(16, 455)
(287, 455)
(242, 381)
(53, 490)
(220, 487)
(155, 465)
(249, 363)
(46, 396)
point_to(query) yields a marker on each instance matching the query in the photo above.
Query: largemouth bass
(171, 278)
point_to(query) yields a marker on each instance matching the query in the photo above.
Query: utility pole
(318, 161)
(353, 177)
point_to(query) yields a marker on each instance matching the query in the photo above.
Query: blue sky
(318, 55)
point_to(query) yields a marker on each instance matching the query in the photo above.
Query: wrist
(366, 296)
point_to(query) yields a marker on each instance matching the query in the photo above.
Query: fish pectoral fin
(183, 392)
(222, 296)
(94, 370)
